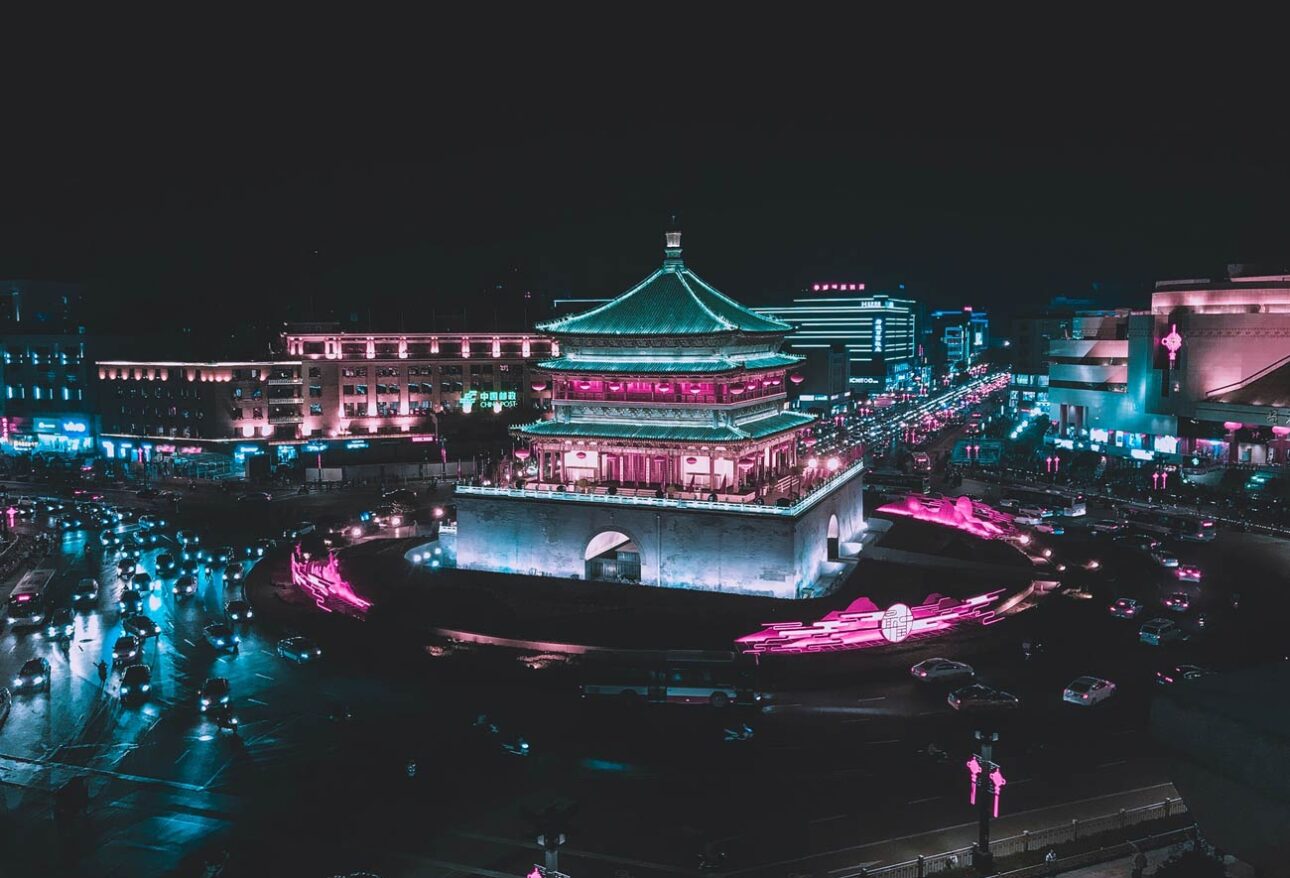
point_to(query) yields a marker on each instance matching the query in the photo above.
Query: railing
(1027, 841)
(801, 506)
(277, 382)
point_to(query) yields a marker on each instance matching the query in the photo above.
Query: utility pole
(987, 783)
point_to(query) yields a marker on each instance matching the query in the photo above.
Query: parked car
(1088, 691)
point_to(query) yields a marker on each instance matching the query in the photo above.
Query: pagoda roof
(704, 366)
(758, 429)
(671, 301)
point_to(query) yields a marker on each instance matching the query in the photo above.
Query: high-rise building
(877, 331)
(955, 340)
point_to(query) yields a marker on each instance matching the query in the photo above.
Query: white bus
(689, 681)
(1179, 525)
(29, 601)
(1057, 502)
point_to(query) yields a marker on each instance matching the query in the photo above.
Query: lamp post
(986, 784)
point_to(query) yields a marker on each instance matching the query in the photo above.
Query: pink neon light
(974, 769)
(1172, 343)
(966, 514)
(323, 580)
(997, 783)
(859, 626)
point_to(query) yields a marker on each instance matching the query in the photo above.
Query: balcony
(286, 418)
(285, 382)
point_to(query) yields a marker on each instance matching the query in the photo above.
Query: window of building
(355, 409)
(387, 373)
(315, 408)
(387, 409)
(420, 406)
(237, 393)
(362, 389)
(348, 390)
(315, 391)
(315, 372)
(354, 372)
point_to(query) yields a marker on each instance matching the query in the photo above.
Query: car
(141, 626)
(188, 538)
(299, 649)
(170, 496)
(1049, 527)
(71, 522)
(184, 587)
(1188, 573)
(221, 555)
(129, 553)
(1164, 559)
(6, 703)
(221, 637)
(126, 649)
(254, 497)
(125, 568)
(1179, 602)
(1092, 564)
(941, 669)
(979, 696)
(130, 602)
(234, 572)
(166, 564)
(136, 683)
(215, 691)
(1126, 608)
(1028, 516)
(1077, 593)
(1180, 674)
(259, 548)
(109, 538)
(188, 566)
(85, 590)
(238, 611)
(1088, 691)
(1107, 526)
(151, 522)
(299, 529)
(1141, 542)
(142, 539)
(33, 676)
(141, 582)
(61, 625)
(146, 493)
(87, 494)
(402, 496)
(1158, 632)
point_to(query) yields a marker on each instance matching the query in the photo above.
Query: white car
(1107, 526)
(941, 669)
(1087, 691)
(1029, 515)
(1164, 559)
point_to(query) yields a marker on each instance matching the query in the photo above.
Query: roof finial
(673, 249)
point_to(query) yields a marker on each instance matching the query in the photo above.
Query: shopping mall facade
(1202, 376)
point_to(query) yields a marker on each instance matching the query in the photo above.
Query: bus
(920, 462)
(897, 484)
(1057, 502)
(29, 601)
(1162, 522)
(718, 683)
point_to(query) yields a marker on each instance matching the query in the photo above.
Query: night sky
(1052, 192)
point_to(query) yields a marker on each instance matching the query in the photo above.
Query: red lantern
(538, 386)
(664, 387)
(522, 454)
(796, 378)
(810, 441)
(584, 385)
(696, 389)
(615, 387)
(691, 460)
(737, 388)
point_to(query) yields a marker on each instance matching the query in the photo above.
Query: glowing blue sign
(316, 447)
(356, 443)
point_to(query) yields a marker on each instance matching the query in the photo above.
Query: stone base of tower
(733, 548)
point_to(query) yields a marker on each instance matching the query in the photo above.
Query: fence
(1027, 841)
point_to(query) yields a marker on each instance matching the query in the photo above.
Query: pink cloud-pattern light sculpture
(859, 626)
(966, 514)
(323, 580)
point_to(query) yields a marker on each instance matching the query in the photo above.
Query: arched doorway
(613, 556)
(833, 538)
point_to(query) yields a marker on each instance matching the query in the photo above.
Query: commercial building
(955, 340)
(1063, 320)
(878, 333)
(1203, 375)
(670, 457)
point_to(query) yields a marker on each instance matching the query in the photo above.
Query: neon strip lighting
(323, 581)
(859, 626)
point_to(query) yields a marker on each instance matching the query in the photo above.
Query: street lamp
(987, 781)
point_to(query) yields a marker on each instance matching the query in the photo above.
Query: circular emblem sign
(896, 623)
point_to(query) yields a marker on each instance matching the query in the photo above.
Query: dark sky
(1000, 204)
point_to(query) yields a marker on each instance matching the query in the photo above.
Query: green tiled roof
(671, 301)
(667, 367)
(767, 426)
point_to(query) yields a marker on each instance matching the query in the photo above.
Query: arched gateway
(614, 556)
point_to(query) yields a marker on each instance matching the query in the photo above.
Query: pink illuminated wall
(323, 580)
(859, 626)
(966, 514)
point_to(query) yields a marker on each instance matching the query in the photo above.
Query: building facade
(878, 332)
(669, 444)
(956, 340)
(1204, 374)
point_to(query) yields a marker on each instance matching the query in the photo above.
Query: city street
(828, 771)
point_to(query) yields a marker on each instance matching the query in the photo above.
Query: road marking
(266, 652)
(874, 698)
(257, 701)
(1109, 764)
(920, 801)
(887, 741)
(853, 867)
(189, 642)
(182, 755)
(827, 819)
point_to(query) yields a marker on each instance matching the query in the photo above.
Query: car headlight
(206, 702)
(17, 681)
(146, 686)
(124, 688)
